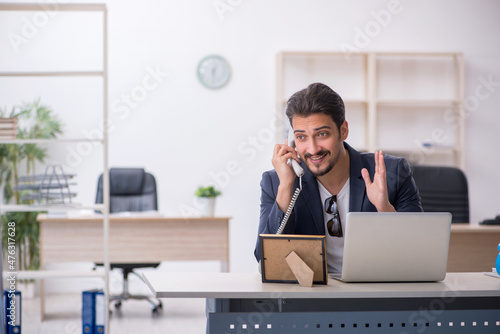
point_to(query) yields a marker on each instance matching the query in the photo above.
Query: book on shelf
(8, 123)
(8, 128)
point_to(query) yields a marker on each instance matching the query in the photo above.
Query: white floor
(63, 316)
(63, 304)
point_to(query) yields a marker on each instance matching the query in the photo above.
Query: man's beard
(332, 161)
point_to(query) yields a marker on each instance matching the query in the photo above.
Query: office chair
(443, 189)
(131, 189)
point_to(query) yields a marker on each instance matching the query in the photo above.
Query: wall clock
(213, 71)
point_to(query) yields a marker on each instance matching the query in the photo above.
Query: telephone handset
(299, 171)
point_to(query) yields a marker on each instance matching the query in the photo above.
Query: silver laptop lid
(396, 247)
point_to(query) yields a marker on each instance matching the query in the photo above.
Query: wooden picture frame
(275, 248)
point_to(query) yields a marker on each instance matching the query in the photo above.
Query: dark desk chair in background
(131, 189)
(443, 189)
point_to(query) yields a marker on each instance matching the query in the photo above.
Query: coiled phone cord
(290, 207)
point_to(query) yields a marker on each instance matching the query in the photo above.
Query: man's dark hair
(316, 98)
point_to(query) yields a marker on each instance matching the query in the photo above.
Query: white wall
(185, 134)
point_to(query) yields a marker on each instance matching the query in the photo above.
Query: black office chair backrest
(443, 189)
(131, 189)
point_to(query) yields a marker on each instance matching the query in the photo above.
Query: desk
(473, 248)
(134, 240)
(462, 303)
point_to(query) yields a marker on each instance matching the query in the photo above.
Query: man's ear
(344, 130)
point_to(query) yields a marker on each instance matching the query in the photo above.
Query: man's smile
(317, 158)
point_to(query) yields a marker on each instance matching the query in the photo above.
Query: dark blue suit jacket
(307, 216)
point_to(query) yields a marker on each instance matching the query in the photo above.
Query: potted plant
(206, 199)
(35, 121)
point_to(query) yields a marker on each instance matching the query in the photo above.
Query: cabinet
(36, 17)
(407, 104)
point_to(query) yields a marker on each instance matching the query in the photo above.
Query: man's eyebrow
(317, 129)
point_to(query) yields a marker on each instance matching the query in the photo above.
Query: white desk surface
(236, 285)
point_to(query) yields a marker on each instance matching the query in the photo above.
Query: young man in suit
(338, 179)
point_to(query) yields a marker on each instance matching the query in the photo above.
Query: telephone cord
(290, 207)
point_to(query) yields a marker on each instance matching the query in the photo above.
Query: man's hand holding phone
(282, 153)
(286, 174)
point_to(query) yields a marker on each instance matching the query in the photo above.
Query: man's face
(318, 141)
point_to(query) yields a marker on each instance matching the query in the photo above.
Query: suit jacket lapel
(357, 184)
(310, 192)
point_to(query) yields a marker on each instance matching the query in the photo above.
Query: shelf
(436, 149)
(346, 102)
(53, 74)
(391, 98)
(355, 101)
(99, 72)
(41, 177)
(49, 141)
(417, 103)
(311, 53)
(418, 54)
(360, 148)
(31, 208)
(42, 186)
(48, 196)
(60, 7)
(44, 274)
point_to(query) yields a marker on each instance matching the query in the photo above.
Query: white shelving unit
(408, 104)
(103, 75)
(296, 70)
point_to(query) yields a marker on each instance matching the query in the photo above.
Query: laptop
(395, 247)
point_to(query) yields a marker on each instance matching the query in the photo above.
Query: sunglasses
(333, 226)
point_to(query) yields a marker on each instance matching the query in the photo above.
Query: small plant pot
(207, 206)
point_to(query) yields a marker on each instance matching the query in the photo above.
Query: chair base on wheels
(128, 268)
